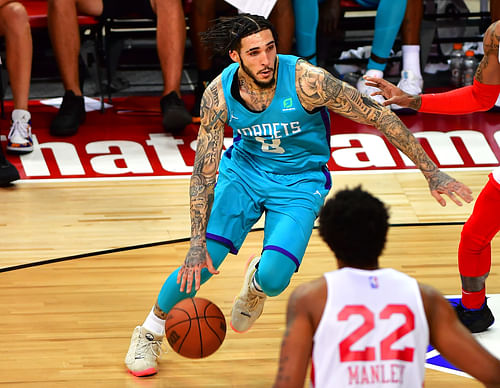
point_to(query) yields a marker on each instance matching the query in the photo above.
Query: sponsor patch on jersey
(288, 104)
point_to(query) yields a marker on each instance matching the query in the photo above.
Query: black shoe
(71, 114)
(475, 320)
(175, 114)
(8, 173)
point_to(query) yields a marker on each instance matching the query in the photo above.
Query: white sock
(154, 324)
(411, 58)
(375, 73)
(21, 115)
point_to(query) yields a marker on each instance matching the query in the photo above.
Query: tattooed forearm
(399, 136)
(206, 163)
(318, 88)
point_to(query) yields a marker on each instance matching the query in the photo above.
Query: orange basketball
(195, 328)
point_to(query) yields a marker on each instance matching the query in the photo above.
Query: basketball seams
(181, 330)
(208, 323)
(199, 326)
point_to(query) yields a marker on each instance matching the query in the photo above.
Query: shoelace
(22, 128)
(154, 346)
(253, 301)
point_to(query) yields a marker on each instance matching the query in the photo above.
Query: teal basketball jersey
(284, 138)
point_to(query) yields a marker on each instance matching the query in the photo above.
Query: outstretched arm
(316, 88)
(208, 152)
(480, 96)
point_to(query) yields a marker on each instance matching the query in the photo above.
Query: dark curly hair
(354, 224)
(227, 32)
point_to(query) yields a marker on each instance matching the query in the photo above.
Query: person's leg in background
(65, 37)
(282, 17)
(170, 43)
(14, 25)
(495, 10)
(306, 26)
(411, 76)
(388, 21)
(202, 13)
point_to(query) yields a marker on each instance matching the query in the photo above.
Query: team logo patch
(490, 339)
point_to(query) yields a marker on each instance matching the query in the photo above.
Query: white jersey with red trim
(373, 331)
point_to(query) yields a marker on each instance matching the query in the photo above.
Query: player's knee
(14, 15)
(273, 284)
(471, 239)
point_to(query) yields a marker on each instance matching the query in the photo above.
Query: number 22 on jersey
(368, 324)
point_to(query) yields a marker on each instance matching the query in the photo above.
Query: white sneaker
(368, 90)
(249, 304)
(411, 84)
(19, 139)
(144, 351)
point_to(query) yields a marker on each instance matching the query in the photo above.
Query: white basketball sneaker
(144, 351)
(368, 90)
(411, 84)
(249, 304)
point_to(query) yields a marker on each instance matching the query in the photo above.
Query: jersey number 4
(386, 352)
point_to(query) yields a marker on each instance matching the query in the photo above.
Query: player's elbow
(485, 96)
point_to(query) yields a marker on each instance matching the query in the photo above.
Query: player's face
(257, 58)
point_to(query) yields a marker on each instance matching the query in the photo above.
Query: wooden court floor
(68, 323)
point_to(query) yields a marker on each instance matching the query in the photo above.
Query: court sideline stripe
(154, 244)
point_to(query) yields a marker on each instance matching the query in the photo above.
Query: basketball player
(368, 326)
(278, 107)
(474, 252)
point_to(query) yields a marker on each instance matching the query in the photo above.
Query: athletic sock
(154, 324)
(411, 59)
(473, 300)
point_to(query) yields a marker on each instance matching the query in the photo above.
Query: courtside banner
(127, 140)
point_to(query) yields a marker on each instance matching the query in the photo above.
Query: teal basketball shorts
(290, 204)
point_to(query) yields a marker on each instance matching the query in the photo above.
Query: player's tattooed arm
(201, 192)
(488, 70)
(317, 88)
(213, 115)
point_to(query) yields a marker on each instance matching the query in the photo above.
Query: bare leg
(283, 18)
(170, 41)
(14, 25)
(65, 36)
(495, 10)
(411, 23)
(203, 12)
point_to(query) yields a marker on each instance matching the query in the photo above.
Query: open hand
(392, 94)
(197, 258)
(442, 183)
